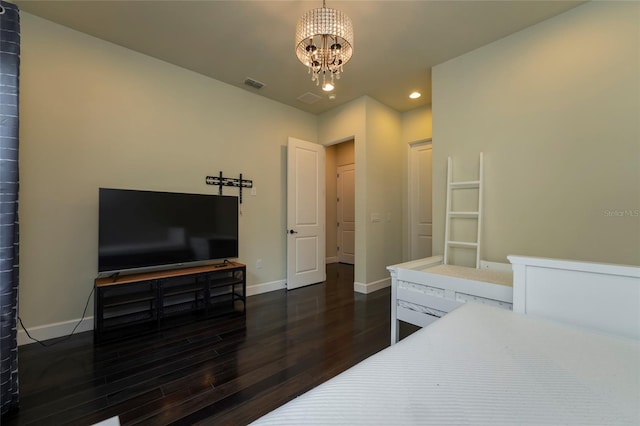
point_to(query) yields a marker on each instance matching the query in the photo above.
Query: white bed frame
(602, 297)
(561, 290)
(483, 365)
(420, 297)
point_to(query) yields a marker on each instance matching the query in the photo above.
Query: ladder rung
(463, 185)
(470, 215)
(463, 244)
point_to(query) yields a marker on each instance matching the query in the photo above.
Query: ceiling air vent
(253, 83)
(309, 98)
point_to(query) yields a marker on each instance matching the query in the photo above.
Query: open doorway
(340, 205)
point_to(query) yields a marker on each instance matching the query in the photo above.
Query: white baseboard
(331, 260)
(61, 329)
(266, 287)
(371, 287)
(51, 331)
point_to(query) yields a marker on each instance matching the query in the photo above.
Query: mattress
(484, 275)
(482, 365)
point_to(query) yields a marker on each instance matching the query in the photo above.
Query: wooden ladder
(451, 186)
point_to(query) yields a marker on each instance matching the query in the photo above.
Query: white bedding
(482, 365)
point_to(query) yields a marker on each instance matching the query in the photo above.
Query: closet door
(420, 216)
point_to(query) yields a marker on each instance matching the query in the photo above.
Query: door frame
(410, 188)
(351, 167)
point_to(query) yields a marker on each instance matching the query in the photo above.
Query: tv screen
(146, 229)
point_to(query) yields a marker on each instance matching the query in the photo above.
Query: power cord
(65, 338)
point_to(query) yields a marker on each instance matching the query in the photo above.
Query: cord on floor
(65, 338)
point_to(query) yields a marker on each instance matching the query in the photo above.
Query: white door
(346, 214)
(420, 184)
(305, 214)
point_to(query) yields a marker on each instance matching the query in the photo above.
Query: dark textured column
(9, 77)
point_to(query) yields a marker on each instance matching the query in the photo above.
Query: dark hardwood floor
(215, 371)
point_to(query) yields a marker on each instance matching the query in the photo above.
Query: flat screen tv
(145, 230)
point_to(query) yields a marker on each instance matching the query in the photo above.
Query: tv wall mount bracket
(221, 181)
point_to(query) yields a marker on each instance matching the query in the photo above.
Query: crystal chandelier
(324, 43)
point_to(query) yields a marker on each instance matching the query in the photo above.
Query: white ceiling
(396, 42)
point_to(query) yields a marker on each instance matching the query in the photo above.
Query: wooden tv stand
(134, 303)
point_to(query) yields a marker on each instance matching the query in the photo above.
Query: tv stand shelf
(149, 300)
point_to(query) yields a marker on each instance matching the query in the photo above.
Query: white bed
(424, 290)
(484, 365)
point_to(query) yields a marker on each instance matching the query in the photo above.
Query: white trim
(61, 329)
(418, 264)
(333, 259)
(421, 142)
(266, 287)
(371, 287)
(52, 331)
(576, 265)
(338, 141)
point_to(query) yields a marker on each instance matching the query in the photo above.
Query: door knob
(291, 231)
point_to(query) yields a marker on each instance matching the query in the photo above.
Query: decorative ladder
(451, 186)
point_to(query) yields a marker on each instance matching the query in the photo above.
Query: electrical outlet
(258, 263)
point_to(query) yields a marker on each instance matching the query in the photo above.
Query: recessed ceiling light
(415, 95)
(332, 96)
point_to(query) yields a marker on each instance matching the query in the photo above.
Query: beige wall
(376, 131)
(97, 115)
(416, 124)
(338, 125)
(345, 153)
(385, 177)
(94, 115)
(556, 110)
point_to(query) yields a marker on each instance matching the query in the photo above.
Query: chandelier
(324, 43)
